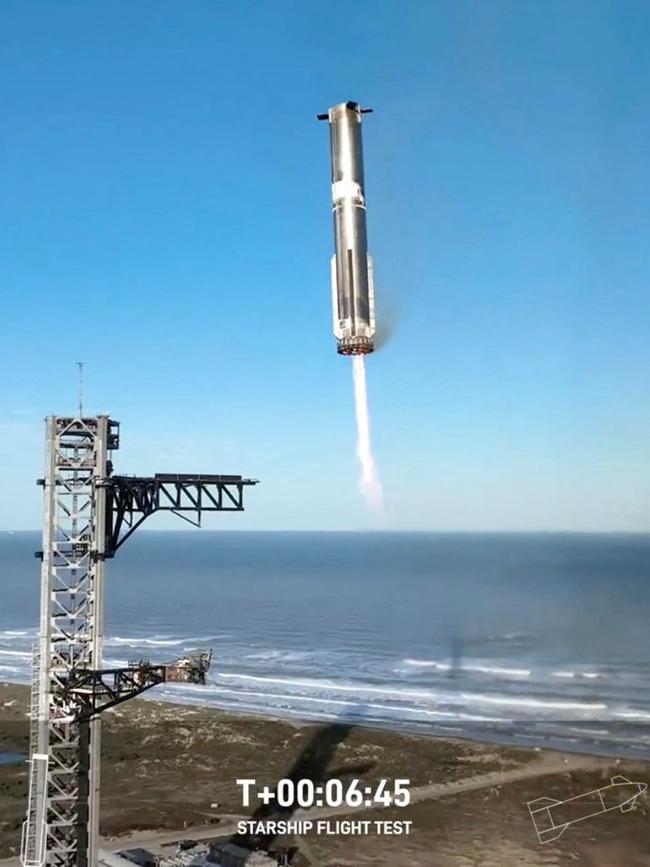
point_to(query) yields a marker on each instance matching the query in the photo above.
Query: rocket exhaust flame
(369, 483)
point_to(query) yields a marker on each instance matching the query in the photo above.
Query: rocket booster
(353, 302)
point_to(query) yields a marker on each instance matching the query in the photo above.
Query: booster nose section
(352, 278)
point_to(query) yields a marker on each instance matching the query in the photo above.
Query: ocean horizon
(536, 639)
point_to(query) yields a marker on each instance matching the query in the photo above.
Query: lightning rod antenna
(80, 365)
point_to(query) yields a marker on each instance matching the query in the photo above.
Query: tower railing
(34, 837)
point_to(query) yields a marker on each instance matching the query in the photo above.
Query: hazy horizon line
(495, 532)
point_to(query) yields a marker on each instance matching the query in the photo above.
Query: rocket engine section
(353, 302)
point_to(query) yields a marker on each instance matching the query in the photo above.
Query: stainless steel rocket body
(353, 306)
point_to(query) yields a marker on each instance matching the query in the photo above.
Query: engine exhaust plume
(369, 483)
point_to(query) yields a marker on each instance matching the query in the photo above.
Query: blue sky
(166, 218)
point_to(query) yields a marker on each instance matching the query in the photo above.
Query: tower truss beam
(130, 500)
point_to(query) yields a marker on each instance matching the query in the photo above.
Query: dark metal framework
(131, 499)
(92, 692)
(95, 691)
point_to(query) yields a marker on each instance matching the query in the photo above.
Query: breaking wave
(463, 666)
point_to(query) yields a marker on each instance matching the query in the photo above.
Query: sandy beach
(165, 766)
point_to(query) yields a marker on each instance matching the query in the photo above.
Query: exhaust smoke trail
(369, 479)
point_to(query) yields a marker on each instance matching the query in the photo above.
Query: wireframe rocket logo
(551, 818)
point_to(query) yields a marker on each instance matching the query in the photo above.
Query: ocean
(539, 639)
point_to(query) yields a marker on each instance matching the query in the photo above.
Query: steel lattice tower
(88, 514)
(70, 627)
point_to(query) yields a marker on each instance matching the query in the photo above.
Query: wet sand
(165, 765)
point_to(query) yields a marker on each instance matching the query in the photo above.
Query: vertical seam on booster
(353, 295)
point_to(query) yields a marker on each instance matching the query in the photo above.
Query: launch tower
(88, 513)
